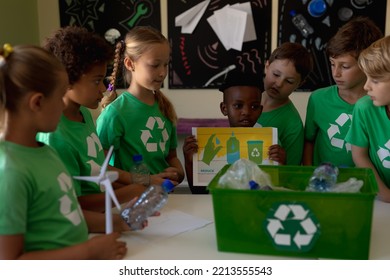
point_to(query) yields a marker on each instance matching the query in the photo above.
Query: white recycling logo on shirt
(384, 154)
(334, 131)
(292, 227)
(75, 215)
(147, 138)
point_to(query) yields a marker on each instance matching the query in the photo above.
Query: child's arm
(175, 172)
(125, 178)
(190, 147)
(308, 149)
(97, 222)
(361, 159)
(96, 202)
(98, 247)
(277, 153)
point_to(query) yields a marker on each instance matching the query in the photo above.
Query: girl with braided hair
(141, 120)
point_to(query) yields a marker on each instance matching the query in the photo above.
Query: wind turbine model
(105, 178)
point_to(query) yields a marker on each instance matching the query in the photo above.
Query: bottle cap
(253, 185)
(167, 185)
(316, 8)
(137, 158)
(293, 13)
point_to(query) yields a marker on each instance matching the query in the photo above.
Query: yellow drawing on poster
(218, 146)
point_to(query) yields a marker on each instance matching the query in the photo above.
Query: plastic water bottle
(324, 178)
(152, 200)
(301, 24)
(140, 173)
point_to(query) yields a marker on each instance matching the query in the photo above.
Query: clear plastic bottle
(324, 178)
(140, 173)
(152, 200)
(301, 24)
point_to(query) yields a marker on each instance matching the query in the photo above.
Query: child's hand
(173, 174)
(190, 147)
(158, 179)
(277, 153)
(106, 247)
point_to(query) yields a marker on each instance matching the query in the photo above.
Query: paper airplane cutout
(105, 178)
(190, 18)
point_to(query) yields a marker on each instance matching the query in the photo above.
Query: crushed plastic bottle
(301, 24)
(240, 173)
(324, 178)
(152, 200)
(140, 173)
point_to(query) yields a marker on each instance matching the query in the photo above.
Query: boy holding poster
(242, 104)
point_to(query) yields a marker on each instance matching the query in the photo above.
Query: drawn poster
(218, 146)
(316, 21)
(210, 38)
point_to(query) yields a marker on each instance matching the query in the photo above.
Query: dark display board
(318, 26)
(200, 56)
(110, 18)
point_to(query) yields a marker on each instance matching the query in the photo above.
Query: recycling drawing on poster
(218, 146)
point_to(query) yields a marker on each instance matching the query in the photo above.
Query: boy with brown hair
(329, 110)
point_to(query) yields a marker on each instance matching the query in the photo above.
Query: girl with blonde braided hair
(141, 120)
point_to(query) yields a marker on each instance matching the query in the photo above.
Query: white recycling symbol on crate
(147, 138)
(292, 227)
(384, 154)
(334, 131)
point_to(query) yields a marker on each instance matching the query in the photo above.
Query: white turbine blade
(93, 179)
(106, 160)
(112, 175)
(109, 190)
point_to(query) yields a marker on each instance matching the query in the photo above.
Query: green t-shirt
(328, 118)
(290, 130)
(79, 148)
(37, 199)
(371, 129)
(134, 127)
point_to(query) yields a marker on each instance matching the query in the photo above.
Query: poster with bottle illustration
(218, 146)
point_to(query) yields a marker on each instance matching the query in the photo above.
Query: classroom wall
(19, 22)
(30, 21)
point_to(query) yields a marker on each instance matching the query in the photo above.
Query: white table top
(201, 244)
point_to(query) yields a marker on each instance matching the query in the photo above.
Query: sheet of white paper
(213, 21)
(237, 24)
(250, 31)
(190, 18)
(170, 223)
(229, 24)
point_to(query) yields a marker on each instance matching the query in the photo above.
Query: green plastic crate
(295, 223)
